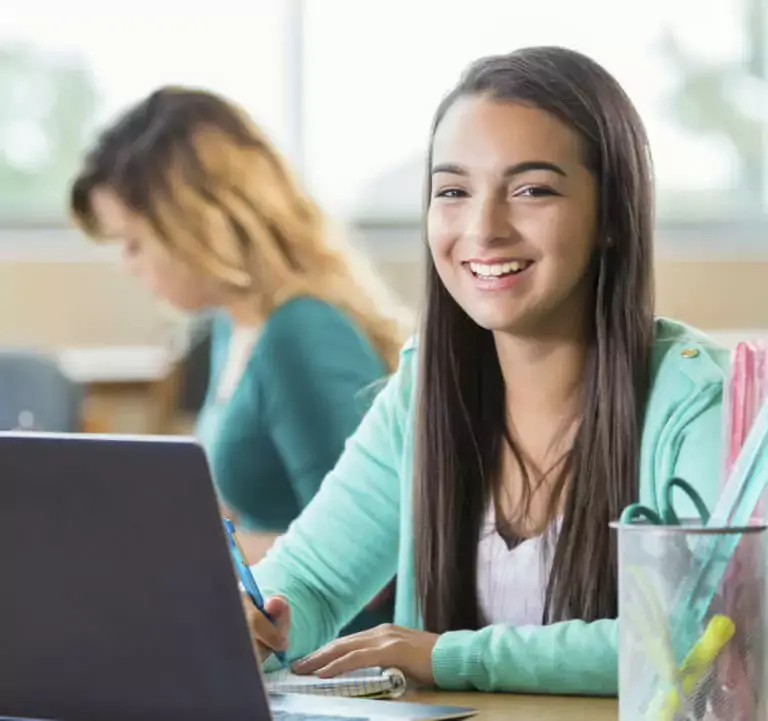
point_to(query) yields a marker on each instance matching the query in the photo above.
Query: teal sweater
(358, 531)
(310, 379)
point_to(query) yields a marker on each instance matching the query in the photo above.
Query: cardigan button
(690, 353)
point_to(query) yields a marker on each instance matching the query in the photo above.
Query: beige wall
(714, 295)
(55, 304)
(92, 303)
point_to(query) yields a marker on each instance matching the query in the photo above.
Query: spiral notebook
(372, 682)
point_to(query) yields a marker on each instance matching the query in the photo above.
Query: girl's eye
(451, 193)
(535, 191)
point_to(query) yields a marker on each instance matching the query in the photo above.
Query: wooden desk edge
(518, 707)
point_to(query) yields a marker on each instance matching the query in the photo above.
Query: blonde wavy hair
(218, 194)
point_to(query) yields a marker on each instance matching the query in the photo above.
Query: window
(355, 115)
(374, 74)
(66, 68)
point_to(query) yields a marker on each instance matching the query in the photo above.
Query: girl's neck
(245, 310)
(543, 377)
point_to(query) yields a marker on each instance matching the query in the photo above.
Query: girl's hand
(267, 636)
(385, 646)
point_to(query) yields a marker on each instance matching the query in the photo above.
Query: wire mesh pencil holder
(692, 622)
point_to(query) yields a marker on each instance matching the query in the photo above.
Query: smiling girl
(540, 398)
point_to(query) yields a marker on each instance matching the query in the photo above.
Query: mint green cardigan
(357, 531)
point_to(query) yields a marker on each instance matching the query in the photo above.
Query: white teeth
(498, 269)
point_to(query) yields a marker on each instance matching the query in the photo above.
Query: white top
(512, 584)
(241, 344)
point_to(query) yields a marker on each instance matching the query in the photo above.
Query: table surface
(513, 707)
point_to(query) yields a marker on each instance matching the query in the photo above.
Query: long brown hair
(220, 196)
(461, 419)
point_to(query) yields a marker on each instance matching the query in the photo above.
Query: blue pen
(246, 577)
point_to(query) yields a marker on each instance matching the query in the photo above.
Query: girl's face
(149, 260)
(512, 216)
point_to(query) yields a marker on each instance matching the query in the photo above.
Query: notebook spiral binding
(366, 683)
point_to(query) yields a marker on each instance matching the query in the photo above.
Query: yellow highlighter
(718, 632)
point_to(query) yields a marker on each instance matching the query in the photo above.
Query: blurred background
(346, 89)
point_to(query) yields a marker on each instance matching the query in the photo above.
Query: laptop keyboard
(296, 716)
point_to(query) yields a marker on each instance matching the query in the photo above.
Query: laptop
(119, 597)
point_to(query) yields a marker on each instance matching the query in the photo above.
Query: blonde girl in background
(209, 216)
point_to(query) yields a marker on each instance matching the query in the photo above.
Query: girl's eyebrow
(525, 166)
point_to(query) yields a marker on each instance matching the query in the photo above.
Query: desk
(115, 364)
(511, 707)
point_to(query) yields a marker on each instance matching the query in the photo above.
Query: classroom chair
(36, 395)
